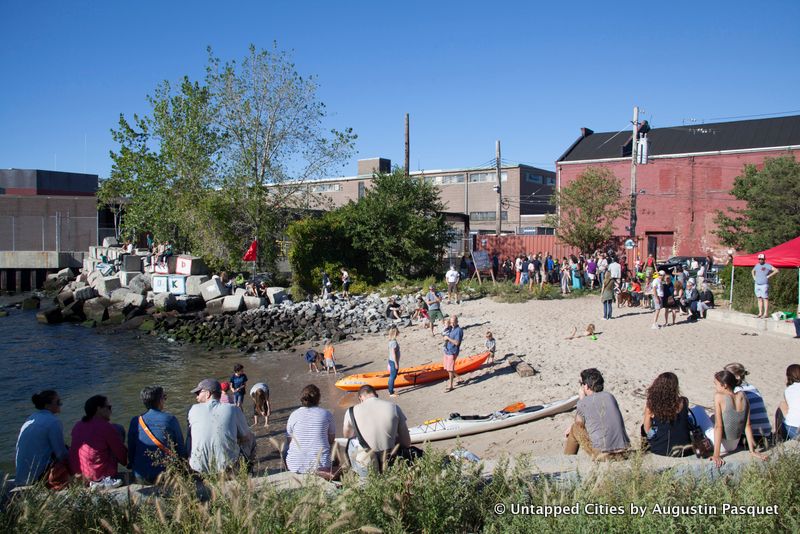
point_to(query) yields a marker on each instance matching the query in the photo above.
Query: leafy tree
(396, 229)
(772, 212)
(587, 208)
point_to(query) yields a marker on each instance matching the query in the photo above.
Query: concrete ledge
(751, 322)
(39, 260)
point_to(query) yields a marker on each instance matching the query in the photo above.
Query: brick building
(526, 193)
(689, 175)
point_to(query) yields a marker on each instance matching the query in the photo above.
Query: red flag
(252, 252)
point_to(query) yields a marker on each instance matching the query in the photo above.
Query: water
(79, 362)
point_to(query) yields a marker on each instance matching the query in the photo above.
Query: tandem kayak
(463, 425)
(411, 376)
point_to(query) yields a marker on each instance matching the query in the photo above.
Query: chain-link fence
(60, 233)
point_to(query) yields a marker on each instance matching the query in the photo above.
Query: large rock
(140, 284)
(110, 242)
(190, 265)
(214, 307)
(233, 303)
(194, 283)
(93, 278)
(31, 303)
(66, 297)
(66, 274)
(125, 277)
(108, 284)
(85, 293)
(134, 299)
(189, 303)
(73, 312)
(50, 316)
(116, 313)
(276, 295)
(118, 295)
(96, 309)
(131, 263)
(213, 289)
(164, 301)
(254, 303)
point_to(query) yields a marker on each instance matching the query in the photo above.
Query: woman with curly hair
(666, 418)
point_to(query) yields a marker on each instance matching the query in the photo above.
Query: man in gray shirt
(761, 275)
(598, 426)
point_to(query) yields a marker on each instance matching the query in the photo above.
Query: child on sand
(421, 313)
(311, 359)
(225, 398)
(491, 346)
(238, 384)
(261, 407)
(330, 363)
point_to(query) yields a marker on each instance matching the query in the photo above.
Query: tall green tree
(771, 215)
(587, 208)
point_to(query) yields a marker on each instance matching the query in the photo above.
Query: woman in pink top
(97, 445)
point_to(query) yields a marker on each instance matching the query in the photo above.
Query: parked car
(680, 261)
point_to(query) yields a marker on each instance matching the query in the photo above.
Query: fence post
(14, 233)
(43, 233)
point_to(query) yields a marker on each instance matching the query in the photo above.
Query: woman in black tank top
(666, 418)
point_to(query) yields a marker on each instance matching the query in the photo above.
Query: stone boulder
(116, 313)
(125, 277)
(194, 284)
(276, 295)
(107, 284)
(84, 293)
(74, 312)
(96, 309)
(30, 303)
(65, 298)
(254, 303)
(140, 284)
(214, 307)
(66, 274)
(189, 303)
(213, 289)
(233, 303)
(134, 299)
(164, 301)
(50, 316)
(110, 242)
(118, 295)
(131, 263)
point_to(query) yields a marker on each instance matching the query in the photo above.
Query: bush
(782, 289)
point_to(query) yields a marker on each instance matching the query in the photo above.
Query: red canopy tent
(784, 255)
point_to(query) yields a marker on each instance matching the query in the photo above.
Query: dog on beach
(624, 298)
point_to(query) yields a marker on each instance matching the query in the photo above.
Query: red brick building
(689, 175)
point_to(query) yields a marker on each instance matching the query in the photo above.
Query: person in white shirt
(452, 277)
(658, 297)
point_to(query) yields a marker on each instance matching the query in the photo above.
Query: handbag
(703, 448)
(57, 476)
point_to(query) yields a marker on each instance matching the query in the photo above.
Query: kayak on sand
(411, 376)
(464, 425)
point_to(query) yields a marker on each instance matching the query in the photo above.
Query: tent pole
(730, 304)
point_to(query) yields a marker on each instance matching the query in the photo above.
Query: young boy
(491, 346)
(330, 363)
(238, 384)
(311, 359)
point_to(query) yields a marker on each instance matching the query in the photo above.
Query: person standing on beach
(658, 297)
(761, 274)
(41, 439)
(607, 296)
(434, 301)
(452, 278)
(345, 284)
(453, 337)
(394, 358)
(238, 384)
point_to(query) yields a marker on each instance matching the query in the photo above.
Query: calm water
(79, 362)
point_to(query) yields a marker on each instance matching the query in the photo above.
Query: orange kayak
(411, 376)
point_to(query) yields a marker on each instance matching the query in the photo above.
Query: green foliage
(772, 212)
(587, 208)
(201, 168)
(436, 495)
(782, 289)
(396, 230)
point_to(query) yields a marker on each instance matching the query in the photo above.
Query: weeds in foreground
(435, 495)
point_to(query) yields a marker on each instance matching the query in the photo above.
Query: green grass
(432, 496)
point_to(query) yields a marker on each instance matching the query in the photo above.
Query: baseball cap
(209, 384)
(761, 257)
(662, 273)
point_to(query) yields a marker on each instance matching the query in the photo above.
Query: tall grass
(434, 495)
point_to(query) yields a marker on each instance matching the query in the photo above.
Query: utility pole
(634, 154)
(499, 223)
(408, 148)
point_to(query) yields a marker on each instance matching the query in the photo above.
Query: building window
(537, 230)
(326, 188)
(534, 178)
(447, 179)
(362, 190)
(550, 180)
(477, 177)
(486, 215)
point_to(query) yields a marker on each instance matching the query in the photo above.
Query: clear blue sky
(527, 73)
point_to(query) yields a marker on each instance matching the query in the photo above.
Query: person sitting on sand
(153, 436)
(97, 445)
(421, 313)
(374, 428)
(261, 407)
(787, 418)
(759, 418)
(666, 418)
(731, 418)
(393, 309)
(311, 432)
(41, 439)
(598, 427)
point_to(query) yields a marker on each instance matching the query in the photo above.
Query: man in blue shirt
(452, 345)
(41, 439)
(147, 456)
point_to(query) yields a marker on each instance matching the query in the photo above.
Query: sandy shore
(627, 352)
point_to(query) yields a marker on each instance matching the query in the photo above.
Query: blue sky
(528, 73)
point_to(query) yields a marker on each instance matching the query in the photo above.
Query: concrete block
(66, 274)
(96, 309)
(160, 283)
(253, 303)
(165, 301)
(125, 277)
(141, 251)
(118, 295)
(73, 312)
(140, 284)
(110, 242)
(276, 295)
(113, 253)
(108, 284)
(233, 303)
(93, 278)
(212, 289)
(66, 297)
(214, 306)
(85, 293)
(134, 299)
(131, 263)
(116, 313)
(177, 284)
(240, 291)
(50, 316)
(190, 265)
(189, 303)
(193, 284)
(89, 264)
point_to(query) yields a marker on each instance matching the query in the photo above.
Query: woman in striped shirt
(759, 419)
(311, 432)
